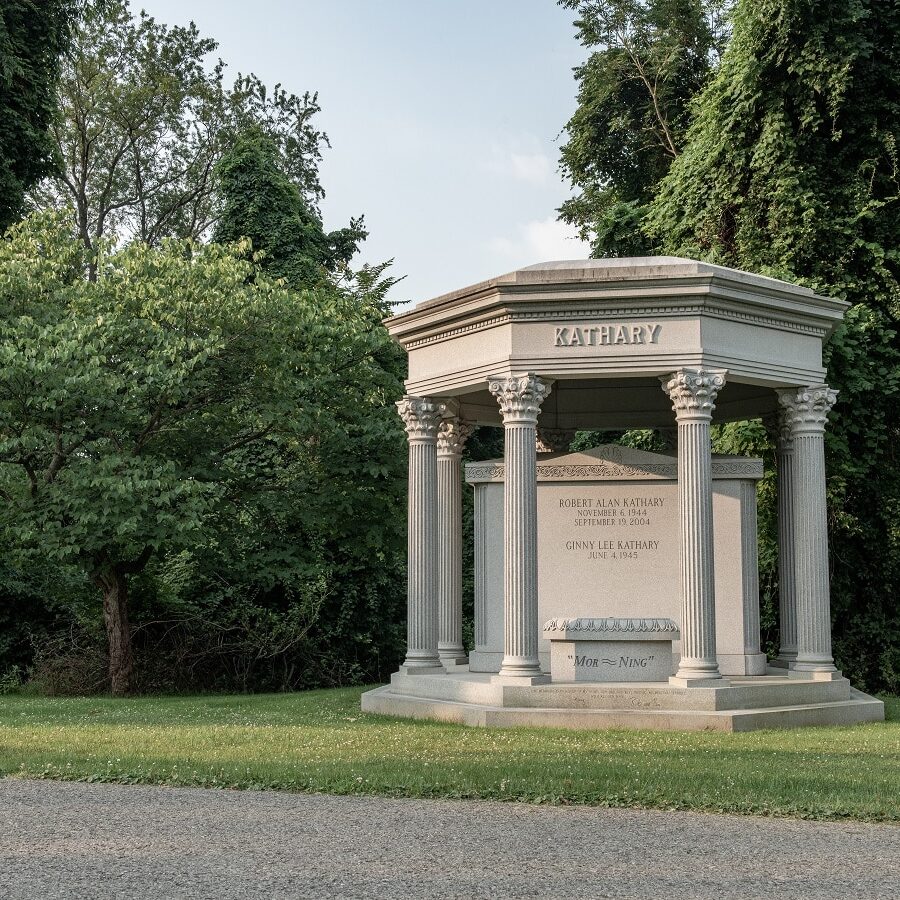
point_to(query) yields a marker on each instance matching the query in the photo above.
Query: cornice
(493, 300)
(708, 306)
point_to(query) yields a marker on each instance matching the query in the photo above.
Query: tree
(262, 203)
(32, 37)
(145, 411)
(143, 123)
(634, 96)
(790, 168)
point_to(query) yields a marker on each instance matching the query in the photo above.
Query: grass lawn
(320, 741)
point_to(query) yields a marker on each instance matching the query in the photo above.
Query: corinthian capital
(778, 428)
(806, 408)
(554, 440)
(693, 392)
(520, 397)
(421, 416)
(452, 436)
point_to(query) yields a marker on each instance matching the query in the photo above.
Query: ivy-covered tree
(32, 37)
(262, 203)
(791, 168)
(649, 59)
(175, 400)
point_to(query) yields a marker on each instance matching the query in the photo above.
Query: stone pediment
(614, 462)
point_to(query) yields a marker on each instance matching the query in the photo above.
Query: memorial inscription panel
(608, 548)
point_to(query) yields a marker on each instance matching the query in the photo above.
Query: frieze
(620, 312)
(587, 627)
(745, 468)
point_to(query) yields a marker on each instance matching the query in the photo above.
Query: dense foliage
(183, 409)
(791, 169)
(201, 437)
(261, 202)
(32, 37)
(648, 60)
(786, 164)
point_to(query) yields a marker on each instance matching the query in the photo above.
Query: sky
(444, 118)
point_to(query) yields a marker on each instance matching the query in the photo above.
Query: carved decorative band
(721, 469)
(616, 312)
(613, 625)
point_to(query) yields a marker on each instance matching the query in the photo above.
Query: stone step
(746, 693)
(858, 708)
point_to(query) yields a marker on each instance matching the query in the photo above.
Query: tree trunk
(114, 584)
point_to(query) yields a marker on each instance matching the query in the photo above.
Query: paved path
(99, 841)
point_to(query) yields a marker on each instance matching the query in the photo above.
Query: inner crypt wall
(608, 546)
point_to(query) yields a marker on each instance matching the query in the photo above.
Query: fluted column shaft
(753, 655)
(787, 582)
(806, 411)
(480, 598)
(452, 436)
(520, 401)
(422, 416)
(693, 395)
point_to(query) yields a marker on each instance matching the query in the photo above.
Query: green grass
(320, 741)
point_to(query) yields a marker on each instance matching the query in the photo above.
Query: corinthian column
(779, 429)
(805, 412)
(520, 398)
(422, 416)
(451, 439)
(693, 395)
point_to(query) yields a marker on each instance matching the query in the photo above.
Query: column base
(783, 661)
(453, 656)
(456, 663)
(698, 680)
(816, 674)
(520, 679)
(436, 669)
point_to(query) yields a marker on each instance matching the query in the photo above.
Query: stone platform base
(745, 703)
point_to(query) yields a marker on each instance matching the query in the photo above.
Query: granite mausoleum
(617, 587)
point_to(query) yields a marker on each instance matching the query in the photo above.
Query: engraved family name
(605, 335)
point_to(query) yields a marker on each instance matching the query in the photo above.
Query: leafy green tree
(262, 203)
(790, 168)
(32, 37)
(143, 123)
(175, 399)
(649, 59)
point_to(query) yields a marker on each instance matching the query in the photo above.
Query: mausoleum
(617, 587)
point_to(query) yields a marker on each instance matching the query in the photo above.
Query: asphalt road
(103, 841)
